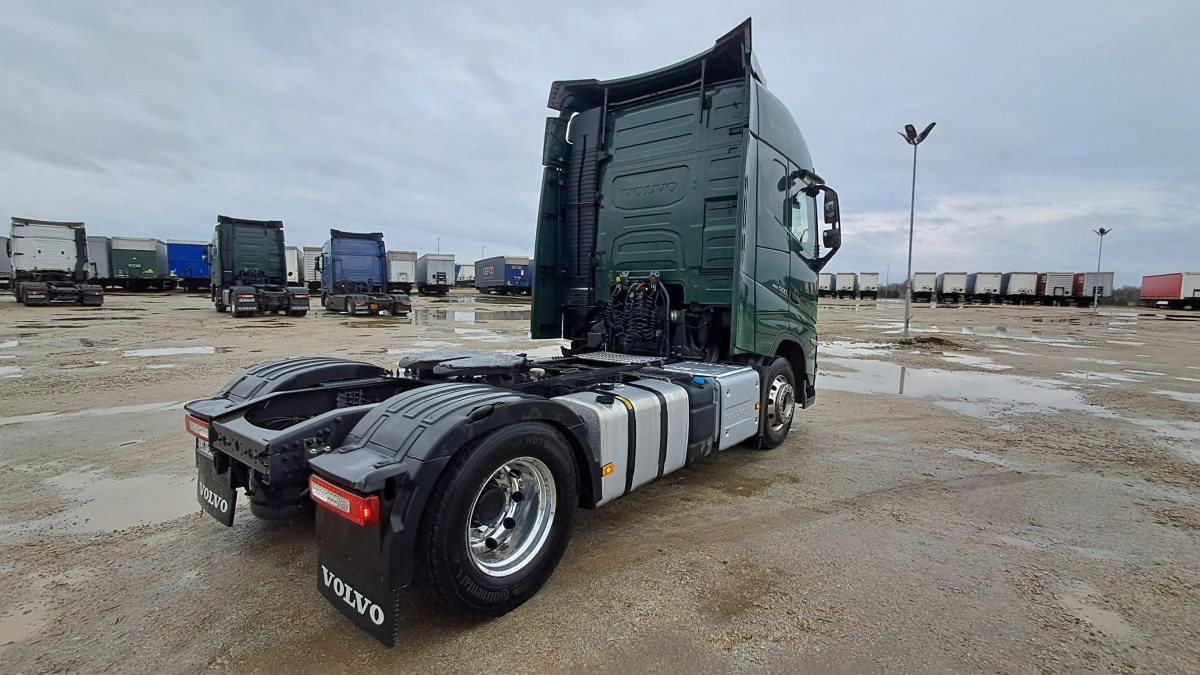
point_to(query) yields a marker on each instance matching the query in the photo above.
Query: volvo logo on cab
(643, 190)
(352, 597)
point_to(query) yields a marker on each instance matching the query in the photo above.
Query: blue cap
(699, 380)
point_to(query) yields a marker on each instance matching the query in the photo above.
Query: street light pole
(483, 252)
(1095, 287)
(914, 139)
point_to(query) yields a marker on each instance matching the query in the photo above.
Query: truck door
(774, 288)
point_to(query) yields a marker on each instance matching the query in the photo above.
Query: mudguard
(398, 451)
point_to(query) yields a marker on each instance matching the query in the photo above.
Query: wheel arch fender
(400, 449)
(790, 347)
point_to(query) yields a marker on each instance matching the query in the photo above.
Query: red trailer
(1176, 291)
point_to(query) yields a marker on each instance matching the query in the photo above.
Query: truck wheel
(499, 520)
(778, 403)
(298, 312)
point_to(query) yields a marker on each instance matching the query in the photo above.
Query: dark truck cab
(354, 275)
(249, 274)
(676, 250)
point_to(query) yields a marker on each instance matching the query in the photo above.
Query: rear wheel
(778, 403)
(499, 520)
(298, 312)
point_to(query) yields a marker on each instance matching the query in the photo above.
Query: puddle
(433, 343)
(1188, 379)
(1103, 362)
(425, 316)
(976, 394)
(168, 351)
(1180, 396)
(974, 361)
(1144, 372)
(10, 371)
(9, 344)
(1185, 436)
(1128, 344)
(121, 410)
(162, 365)
(845, 349)
(107, 504)
(1087, 375)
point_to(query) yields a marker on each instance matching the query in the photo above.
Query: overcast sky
(425, 120)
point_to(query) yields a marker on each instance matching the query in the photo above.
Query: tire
(474, 501)
(298, 312)
(778, 404)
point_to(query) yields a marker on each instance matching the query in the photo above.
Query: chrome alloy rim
(511, 516)
(781, 403)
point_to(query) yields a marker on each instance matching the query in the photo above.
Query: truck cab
(354, 275)
(249, 273)
(697, 177)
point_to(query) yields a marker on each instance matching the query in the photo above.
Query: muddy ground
(1019, 491)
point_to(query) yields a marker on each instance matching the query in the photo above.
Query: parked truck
(1018, 288)
(503, 275)
(50, 263)
(846, 285)
(311, 276)
(826, 285)
(868, 285)
(1055, 287)
(435, 273)
(6, 272)
(983, 287)
(354, 275)
(99, 251)
(294, 262)
(402, 271)
(1180, 290)
(248, 271)
(1088, 287)
(462, 471)
(187, 263)
(924, 285)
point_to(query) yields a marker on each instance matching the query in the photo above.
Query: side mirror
(832, 238)
(832, 213)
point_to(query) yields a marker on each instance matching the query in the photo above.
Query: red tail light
(196, 428)
(349, 505)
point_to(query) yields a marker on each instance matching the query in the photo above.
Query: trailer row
(980, 287)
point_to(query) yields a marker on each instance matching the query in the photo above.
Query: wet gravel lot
(1017, 491)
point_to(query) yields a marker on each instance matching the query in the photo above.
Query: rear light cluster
(301, 296)
(196, 428)
(349, 505)
(245, 296)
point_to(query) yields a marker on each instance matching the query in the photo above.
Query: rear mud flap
(351, 574)
(366, 602)
(214, 491)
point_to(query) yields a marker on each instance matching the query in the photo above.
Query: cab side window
(802, 221)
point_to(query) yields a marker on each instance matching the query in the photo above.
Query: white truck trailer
(951, 286)
(50, 264)
(293, 258)
(435, 273)
(846, 285)
(825, 285)
(1018, 288)
(402, 271)
(868, 285)
(923, 286)
(312, 275)
(984, 286)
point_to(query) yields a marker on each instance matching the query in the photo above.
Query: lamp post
(439, 241)
(483, 252)
(914, 139)
(1096, 288)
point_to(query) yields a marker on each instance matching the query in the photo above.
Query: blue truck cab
(354, 275)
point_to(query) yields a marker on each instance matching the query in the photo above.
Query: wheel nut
(491, 543)
(509, 523)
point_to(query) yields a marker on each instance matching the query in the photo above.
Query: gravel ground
(1018, 491)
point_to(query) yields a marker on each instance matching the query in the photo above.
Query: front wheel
(778, 403)
(499, 520)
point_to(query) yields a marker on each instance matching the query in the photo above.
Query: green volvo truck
(677, 251)
(249, 271)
